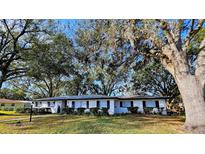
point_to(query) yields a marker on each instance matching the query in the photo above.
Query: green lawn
(5, 115)
(74, 124)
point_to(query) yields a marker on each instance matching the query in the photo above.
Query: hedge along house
(115, 104)
(7, 104)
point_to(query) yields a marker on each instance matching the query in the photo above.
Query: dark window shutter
(73, 104)
(157, 104)
(121, 104)
(65, 102)
(98, 104)
(144, 103)
(87, 104)
(131, 103)
(108, 104)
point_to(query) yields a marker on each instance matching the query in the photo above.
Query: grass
(74, 124)
(6, 115)
(7, 112)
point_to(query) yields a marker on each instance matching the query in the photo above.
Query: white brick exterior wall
(114, 105)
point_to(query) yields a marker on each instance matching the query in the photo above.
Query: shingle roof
(143, 97)
(89, 97)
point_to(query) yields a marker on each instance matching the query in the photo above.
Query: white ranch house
(116, 104)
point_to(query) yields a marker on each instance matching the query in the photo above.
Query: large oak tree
(180, 46)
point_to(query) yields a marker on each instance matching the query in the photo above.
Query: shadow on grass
(3, 114)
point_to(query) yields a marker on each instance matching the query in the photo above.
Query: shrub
(105, 111)
(27, 110)
(94, 110)
(133, 109)
(87, 113)
(160, 110)
(20, 110)
(10, 109)
(148, 110)
(6, 108)
(80, 110)
(68, 110)
(35, 111)
(75, 112)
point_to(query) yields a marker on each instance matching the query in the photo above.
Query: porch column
(112, 107)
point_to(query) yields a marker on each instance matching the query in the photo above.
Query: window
(54, 103)
(131, 103)
(36, 103)
(121, 104)
(73, 104)
(2, 104)
(144, 103)
(108, 104)
(157, 104)
(87, 104)
(13, 104)
(98, 104)
(49, 104)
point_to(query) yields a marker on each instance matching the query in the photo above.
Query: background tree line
(40, 59)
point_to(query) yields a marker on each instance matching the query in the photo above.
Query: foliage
(7, 108)
(68, 110)
(101, 59)
(15, 94)
(80, 110)
(46, 62)
(94, 110)
(105, 110)
(153, 79)
(16, 37)
(20, 110)
(148, 110)
(133, 109)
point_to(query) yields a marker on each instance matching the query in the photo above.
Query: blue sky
(70, 24)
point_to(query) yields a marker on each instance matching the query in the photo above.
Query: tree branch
(192, 32)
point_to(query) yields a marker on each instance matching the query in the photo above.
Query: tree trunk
(1, 82)
(194, 103)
